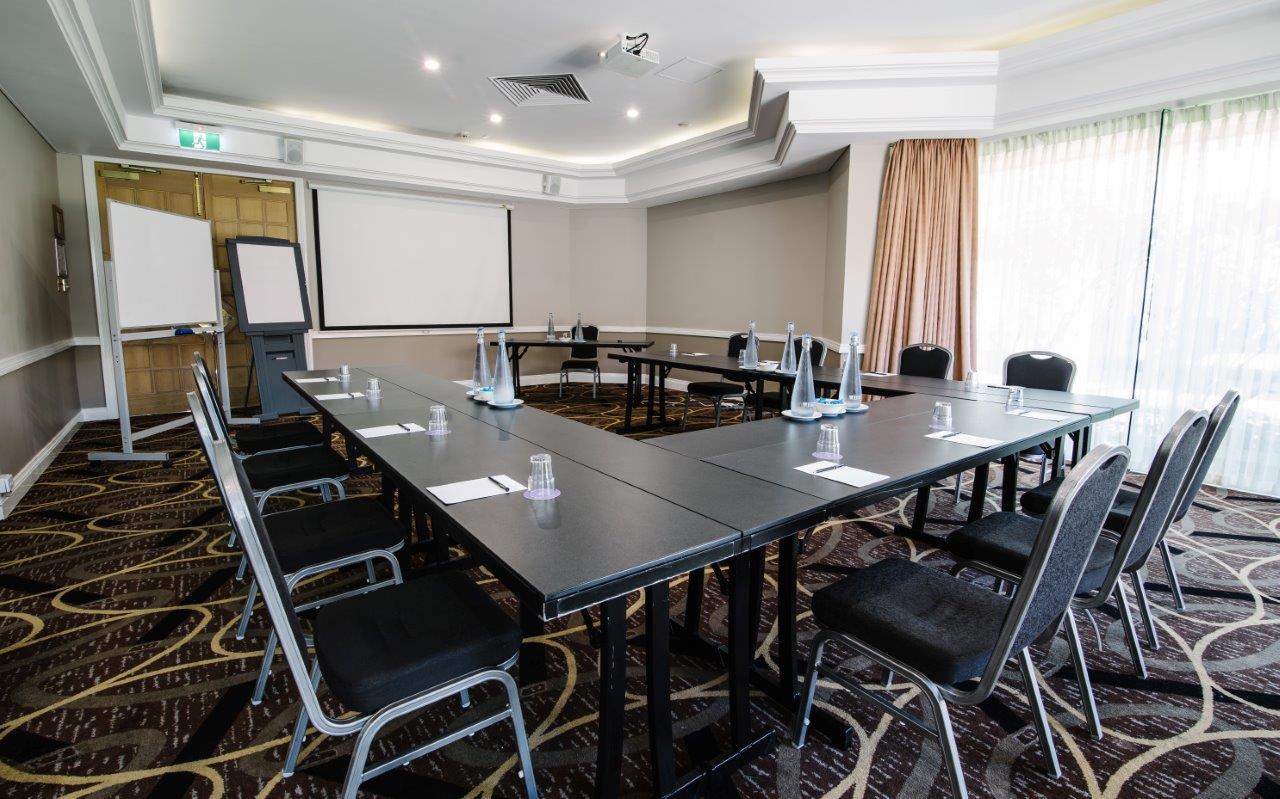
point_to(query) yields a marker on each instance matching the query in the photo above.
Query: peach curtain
(926, 247)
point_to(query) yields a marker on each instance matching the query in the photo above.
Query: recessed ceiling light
(603, 54)
(632, 113)
(495, 119)
(431, 65)
(682, 124)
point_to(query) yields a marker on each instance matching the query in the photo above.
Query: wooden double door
(157, 371)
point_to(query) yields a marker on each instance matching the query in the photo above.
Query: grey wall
(84, 306)
(38, 399)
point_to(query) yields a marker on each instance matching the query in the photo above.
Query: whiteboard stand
(118, 337)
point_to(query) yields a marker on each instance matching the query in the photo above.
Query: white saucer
(516, 404)
(860, 409)
(787, 413)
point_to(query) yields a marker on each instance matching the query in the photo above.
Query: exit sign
(199, 139)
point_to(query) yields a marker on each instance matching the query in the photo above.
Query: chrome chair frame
(365, 726)
(937, 696)
(202, 375)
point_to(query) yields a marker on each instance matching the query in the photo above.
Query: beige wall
(38, 399)
(866, 175)
(758, 253)
(609, 262)
(84, 306)
(837, 229)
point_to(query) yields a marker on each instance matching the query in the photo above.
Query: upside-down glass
(751, 352)
(674, 350)
(504, 389)
(851, 375)
(941, 416)
(481, 379)
(1013, 402)
(804, 400)
(373, 389)
(344, 373)
(971, 380)
(542, 481)
(438, 424)
(828, 443)
(788, 364)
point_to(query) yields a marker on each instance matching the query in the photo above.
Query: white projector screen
(163, 267)
(396, 261)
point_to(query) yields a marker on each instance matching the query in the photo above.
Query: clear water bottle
(788, 365)
(851, 376)
(751, 352)
(480, 375)
(551, 327)
(577, 330)
(504, 389)
(804, 400)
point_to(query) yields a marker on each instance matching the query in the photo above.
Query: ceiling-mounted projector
(629, 56)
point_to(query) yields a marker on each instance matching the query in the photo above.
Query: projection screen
(399, 261)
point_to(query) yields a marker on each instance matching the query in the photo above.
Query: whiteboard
(269, 284)
(163, 268)
(399, 260)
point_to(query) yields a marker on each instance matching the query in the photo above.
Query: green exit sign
(199, 139)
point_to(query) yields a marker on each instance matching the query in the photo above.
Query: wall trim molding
(316, 335)
(27, 476)
(21, 360)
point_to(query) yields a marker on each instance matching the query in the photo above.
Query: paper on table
(1045, 415)
(842, 474)
(965, 438)
(879, 374)
(453, 493)
(350, 395)
(694, 354)
(317, 380)
(391, 430)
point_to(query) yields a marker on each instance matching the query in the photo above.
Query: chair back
(1039, 369)
(924, 360)
(589, 333)
(1158, 498)
(1219, 421)
(248, 525)
(737, 343)
(817, 351)
(204, 384)
(1068, 533)
(207, 404)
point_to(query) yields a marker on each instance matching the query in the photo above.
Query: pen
(826, 468)
(499, 484)
(406, 427)
(949, 434)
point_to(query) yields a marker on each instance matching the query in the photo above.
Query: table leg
(788, 554)
(613, 679)
(533, 656)
(648, 419)
(755, 598)
(662, 395)
(978, 494)
(1009, 484)
(515, 357)
(1059, 447)
(739, 650)
(631, 396)
(388, 493)
(693, 602)
(760, 398)
(657, 619)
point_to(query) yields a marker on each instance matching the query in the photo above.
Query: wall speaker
(551, 184)
(291, 151)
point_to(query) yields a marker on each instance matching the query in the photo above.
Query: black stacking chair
(583, 358)
(1001, 545)
(1039, 369)
(717, 390)
(384, 655)
(772, 400)
(316, 539)
(924, 360)
(257, 439)
(943, 634)
(1036, 501)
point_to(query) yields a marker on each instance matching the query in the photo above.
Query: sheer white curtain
(1213, 300)
(1063, 225)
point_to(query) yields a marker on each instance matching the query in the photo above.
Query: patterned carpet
(120, 673)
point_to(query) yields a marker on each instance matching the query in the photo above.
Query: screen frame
(237, 285)
(315, 222)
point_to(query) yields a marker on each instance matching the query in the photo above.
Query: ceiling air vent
(527, 90)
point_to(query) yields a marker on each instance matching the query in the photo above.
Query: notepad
(965, 438)
(467, 490)
(317, 380)
(842, 474)
(1043, 415)
(694, 354)
(879, 374)
(348, 395)
(391, 430)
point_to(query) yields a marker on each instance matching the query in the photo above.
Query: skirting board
(30, 473)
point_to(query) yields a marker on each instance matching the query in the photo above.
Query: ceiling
(361, 63)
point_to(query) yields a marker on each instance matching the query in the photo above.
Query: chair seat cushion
(580, 363)
(716, 388)
(1005, 540)
(258, 438)
(331, 530)
(1036, 501)
(380, 647)
(293, 466)
(944, 627)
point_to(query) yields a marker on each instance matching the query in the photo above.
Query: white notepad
(349, 395)
(391, 430)
(694, 354)
(879, 374)
(842, 474)
(1044, 415)
(317, 380)
(453, 493)
(965, 438)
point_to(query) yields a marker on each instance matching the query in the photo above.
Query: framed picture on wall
(60, 250)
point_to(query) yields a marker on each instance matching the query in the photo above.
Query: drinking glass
(542, 482)
(970, 380)
(373, 390)
(438, 424)
(1013, 402)
(941, 416)
(828, 443)
(344, 373)
(675, 350)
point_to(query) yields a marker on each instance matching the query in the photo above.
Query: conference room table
(636, 515)
(517, 348)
